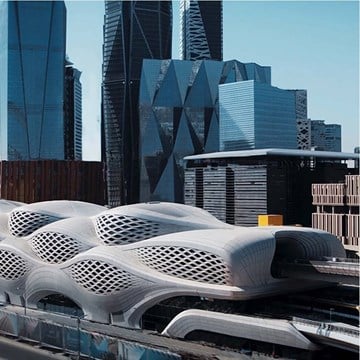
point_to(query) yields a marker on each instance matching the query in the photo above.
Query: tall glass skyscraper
(73, 113)
(32, 55)
(133, 31)
(201, 35)
(255, 115)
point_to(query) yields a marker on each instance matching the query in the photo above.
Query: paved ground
(14, 350)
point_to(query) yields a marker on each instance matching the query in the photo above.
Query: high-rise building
(333, 137)
(303, 124)
(133, 31)
(303, 134)
(255, 115)
(73, 113)
(318, 135)
(179, 116)
(325, 137)
(32, 55)
(201, 35)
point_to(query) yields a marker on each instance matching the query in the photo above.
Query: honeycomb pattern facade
(117, 263)
(186, 263)
(101, 278)
(120, 229)
(12, 266)
(23, 223)
(54, 247)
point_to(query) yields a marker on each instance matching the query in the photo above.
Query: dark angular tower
(201, 35)
(133, 31)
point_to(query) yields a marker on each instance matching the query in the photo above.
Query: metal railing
(75, 340)
(327, 326)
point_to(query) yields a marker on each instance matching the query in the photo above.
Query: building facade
(256, 115)
(325, 137)
(333, 137)
(73, 114)
(179, 116)
(43, 180)
(133, 31)
(201, 34)
(303, 124)
(318, 135)
(32, 55)
(303, 127)
(238, 186)
(337, 210)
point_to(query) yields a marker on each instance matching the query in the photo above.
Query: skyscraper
(318, 135)
(32, 55)
(133, 31)
(201, 30)
(303, 124)
(333, 137)
(73, 113)
(255, 115)
(179, 116)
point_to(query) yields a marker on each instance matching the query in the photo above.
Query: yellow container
(266, 220)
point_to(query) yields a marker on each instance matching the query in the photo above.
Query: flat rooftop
(276, 152)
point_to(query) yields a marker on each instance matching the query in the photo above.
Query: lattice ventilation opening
(122, 229)
(54, 247)
(101, 278)
(23, 223)
(12, 266)
(186, 263)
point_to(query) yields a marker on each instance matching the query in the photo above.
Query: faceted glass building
(32, 55)
(73, 113)
(201, 35)
(179, 116)
(133, 31)
(255, 115)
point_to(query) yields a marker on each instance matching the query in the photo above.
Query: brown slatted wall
(42, 180)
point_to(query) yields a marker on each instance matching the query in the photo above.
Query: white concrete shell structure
(116, 264)
(273, 331)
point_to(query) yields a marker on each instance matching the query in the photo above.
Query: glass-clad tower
(73, 113)
(256, 115)
(32, 55)
(133, 31)
(179, 116)
(201, 35)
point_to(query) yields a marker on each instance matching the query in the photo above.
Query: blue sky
(311, 45)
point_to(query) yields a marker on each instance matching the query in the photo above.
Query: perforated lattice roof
(186, 263)
(12, 266)
(115, 229)
(54, 247)
(23, 223)
(101, 278)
